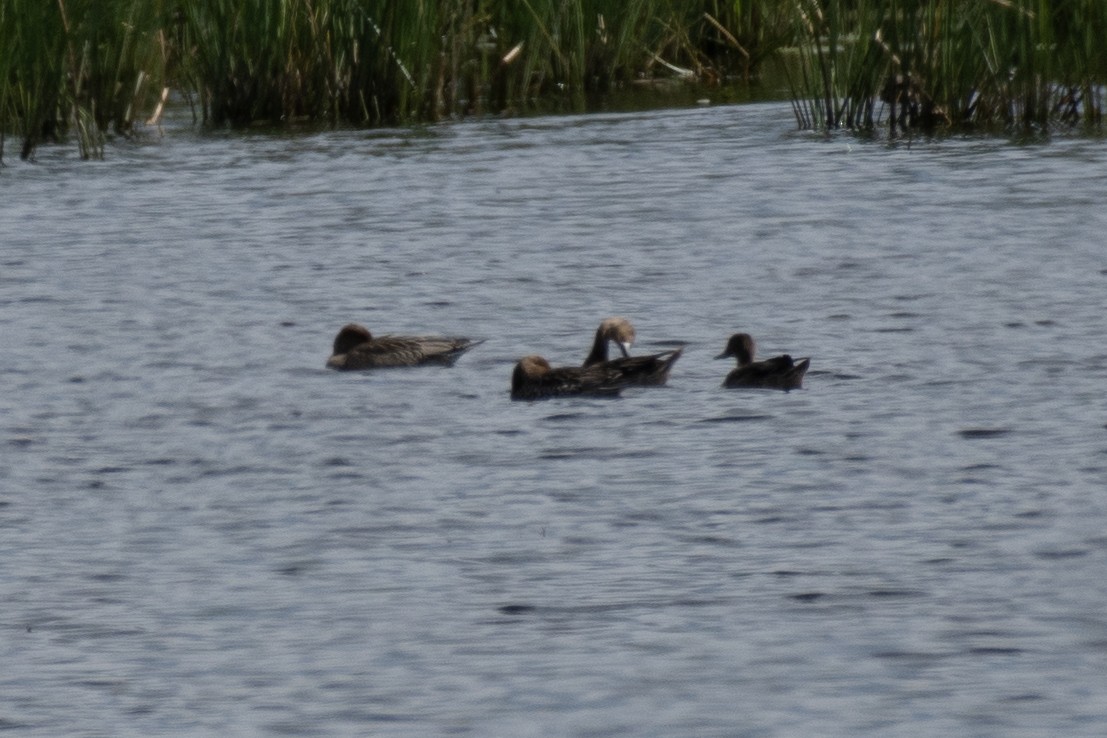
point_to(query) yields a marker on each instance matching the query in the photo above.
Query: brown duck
(652, 369)
(356, 348)
(780, 372)
(535, 379)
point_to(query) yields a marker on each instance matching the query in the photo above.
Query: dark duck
(780, 372)
(534, 379)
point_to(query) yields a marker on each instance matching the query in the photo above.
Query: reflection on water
(204, 531)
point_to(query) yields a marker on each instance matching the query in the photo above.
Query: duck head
(528, 369)
(619, 331)
(350, 337)
(741, 347)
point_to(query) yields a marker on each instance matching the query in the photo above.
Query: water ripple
(203, 528)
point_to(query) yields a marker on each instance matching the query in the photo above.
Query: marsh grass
(80, 66)
(1027, 65)
(93, 67)
(90, 68)
(390, 62)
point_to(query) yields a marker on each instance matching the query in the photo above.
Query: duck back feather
(534, 379)
(355, 348)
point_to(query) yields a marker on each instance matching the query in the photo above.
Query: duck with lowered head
(356, 348)
(652, 369)
(780, 372)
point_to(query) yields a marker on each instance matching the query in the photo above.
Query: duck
(652, 369)
(780, 372)
(356, 348)
(534, 379)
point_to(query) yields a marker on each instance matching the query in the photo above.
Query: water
(203, 532)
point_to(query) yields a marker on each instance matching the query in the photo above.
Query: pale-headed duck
(651, 369)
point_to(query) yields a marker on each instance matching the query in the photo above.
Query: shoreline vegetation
(1024, 66)
(88, 69)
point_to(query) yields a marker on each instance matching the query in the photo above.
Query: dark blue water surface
(204, 532)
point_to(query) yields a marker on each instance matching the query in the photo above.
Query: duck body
(780, 372)
(646, 370)
(534, 379)
(356, 348)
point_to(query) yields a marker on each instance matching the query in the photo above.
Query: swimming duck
(780, 372)
(356, 348)
(642, 370)
(535, 379)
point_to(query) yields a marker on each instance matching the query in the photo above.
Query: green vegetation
(82, 65)
(88, 68)
(926, 64)
(386, 62)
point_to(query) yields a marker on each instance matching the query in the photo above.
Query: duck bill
(625, 348)
(723, 355)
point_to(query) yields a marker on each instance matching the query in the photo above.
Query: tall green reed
(93, 67)
(32, 57)
(81, 66)
(90, 67)
(926, 64)
(360, 61)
